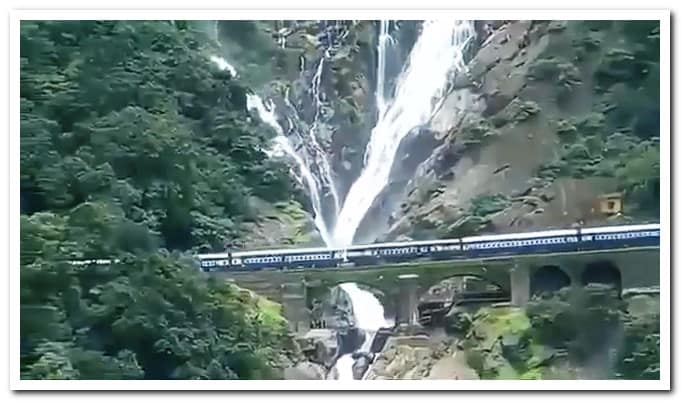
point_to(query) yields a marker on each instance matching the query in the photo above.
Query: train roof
(533, 234)
(241, 254)
(612, 229)
(489, 237)
(404, 243)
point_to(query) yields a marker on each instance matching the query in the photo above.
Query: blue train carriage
(287, 258)
(443, 249)
(611, 237)
(223, 261)
(399, 252)
(373, 254)
(521, 243)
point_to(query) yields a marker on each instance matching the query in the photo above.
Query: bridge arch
(466, 279)
(324, 300)
(436, 301)
(547, 279)
(602, 272)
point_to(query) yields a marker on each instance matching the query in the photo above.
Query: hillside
(134, 146)
(150, 141)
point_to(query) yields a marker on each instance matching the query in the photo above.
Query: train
(471, 247)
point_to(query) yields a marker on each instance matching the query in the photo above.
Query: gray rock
(305, 371)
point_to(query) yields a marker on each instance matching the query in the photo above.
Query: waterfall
(315, 175)
(369, 317)
(419, 91)
(223, 64)
(421, 86)
(283, 145)
(384, 39)
(321, 160)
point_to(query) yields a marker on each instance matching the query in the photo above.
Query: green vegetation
(132, 142)
(619, 137)
(476, 132)
(570, 334)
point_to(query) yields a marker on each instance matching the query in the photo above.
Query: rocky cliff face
(564, 112)
(557, 114)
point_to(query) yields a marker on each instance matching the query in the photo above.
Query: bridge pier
(294, 307)
(520, 285)
(407, 301)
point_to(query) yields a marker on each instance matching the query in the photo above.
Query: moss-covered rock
(476, 132)
(560, 334)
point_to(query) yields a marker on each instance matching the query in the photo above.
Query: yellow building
(610, 204)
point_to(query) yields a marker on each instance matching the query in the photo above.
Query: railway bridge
(400, 286)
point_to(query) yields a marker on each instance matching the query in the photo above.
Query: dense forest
(135, 146)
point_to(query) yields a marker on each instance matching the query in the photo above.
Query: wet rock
(305, 371)
(457, 321)
(320, 346)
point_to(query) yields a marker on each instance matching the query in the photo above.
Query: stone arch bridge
(400, 286)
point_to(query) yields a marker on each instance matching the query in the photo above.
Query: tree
(134, 147)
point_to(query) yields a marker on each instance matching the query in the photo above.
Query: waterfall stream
(369, 317)
(437, 54)
(436, 57)
(420, 89)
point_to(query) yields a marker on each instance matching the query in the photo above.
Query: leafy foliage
(619, 136)
(132, 142)
(136, 114)
(564, 333)
(152, 316)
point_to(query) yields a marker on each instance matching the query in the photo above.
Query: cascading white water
(344, 367)
(420, 89)
(437, 53)
(321, 160)
(316, 184)
(223, 64)
(384, 39)
(268, 116)
(369, 317)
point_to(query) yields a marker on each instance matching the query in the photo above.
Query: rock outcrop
(558, 114)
